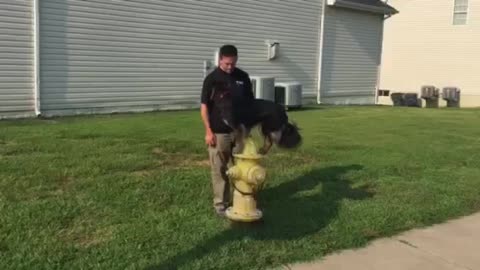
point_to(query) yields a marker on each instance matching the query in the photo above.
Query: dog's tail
(291, 137)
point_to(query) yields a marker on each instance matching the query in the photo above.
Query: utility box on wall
(273, 49)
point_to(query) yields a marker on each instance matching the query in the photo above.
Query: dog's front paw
(262, 151)
(238, 149)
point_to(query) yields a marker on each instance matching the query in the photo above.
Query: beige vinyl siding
(351, 56)
(422, 46)
(16, 58)
(142, 55)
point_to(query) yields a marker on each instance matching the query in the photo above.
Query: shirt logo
(239, 82)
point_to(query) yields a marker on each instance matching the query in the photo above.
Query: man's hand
(210, 138)
(209, 135)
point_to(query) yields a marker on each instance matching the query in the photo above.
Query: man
(225, 79)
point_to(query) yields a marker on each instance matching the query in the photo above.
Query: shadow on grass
(293, 209)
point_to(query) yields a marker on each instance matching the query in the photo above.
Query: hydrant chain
(241, 192)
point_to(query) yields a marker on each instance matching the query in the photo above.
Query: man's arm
(249, 87)
(205, 98)
(205, 119)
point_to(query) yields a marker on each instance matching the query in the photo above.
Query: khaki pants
(219, 159)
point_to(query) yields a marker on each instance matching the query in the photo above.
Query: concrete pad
(383, 254)
(457, 241)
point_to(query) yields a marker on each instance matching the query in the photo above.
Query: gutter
(320, 52)
(36, 56)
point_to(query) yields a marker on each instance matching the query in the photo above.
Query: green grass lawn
(134, 191)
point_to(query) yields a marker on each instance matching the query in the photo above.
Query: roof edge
(385, 9)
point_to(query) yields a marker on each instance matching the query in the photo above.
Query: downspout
(320, 53)
(36, 56)
(379, 67)
(385, 17)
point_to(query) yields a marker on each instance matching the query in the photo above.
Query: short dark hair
(228, 51)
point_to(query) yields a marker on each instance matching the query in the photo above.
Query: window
(460, 12)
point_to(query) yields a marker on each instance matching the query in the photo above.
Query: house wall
(99, 57)
(423, 47)
(16, 58)
(141, 55)
(351, 56)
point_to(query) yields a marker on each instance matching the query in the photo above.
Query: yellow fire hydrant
(246, 176)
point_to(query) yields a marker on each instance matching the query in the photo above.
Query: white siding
(422, 46)
(351, 56)
(16, 58)
(141, 55)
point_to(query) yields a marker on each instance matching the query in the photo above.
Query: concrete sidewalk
(452, 245)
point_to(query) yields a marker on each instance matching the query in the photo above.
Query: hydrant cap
(260, 174)
(257, 174)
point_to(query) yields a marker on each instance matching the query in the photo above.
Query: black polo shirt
(237, 83)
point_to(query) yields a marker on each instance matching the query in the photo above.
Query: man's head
(228, 58)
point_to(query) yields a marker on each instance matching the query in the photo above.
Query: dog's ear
(291, 127)
(291, 138)
(294, 125)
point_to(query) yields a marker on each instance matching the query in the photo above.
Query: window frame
(465, 11)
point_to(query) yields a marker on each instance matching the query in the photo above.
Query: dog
(242, 116)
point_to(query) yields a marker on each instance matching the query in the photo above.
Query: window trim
(466, 12)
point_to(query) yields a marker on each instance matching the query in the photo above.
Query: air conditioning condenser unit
(289, 94)
(263, 87)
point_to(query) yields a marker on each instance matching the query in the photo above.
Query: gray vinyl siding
(16, 58)
(96, 55)
(351, 55)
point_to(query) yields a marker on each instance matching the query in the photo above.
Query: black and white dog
(272, 118)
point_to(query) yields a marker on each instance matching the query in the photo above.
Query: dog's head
(290, 137)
